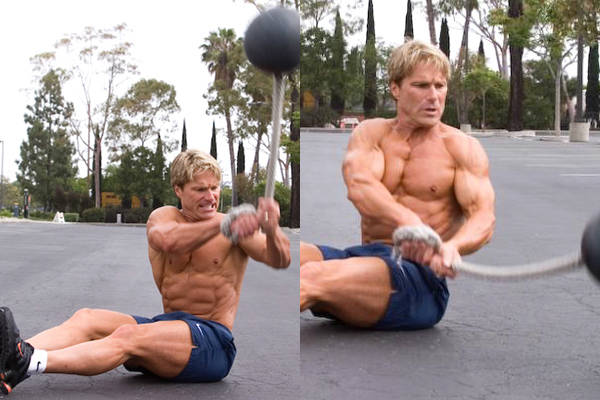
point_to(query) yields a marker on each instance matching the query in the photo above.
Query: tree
(184, 138)
(431, 22)
(592, 94)
(223, 52)
(159, 183)
(370, 96)
(480, 80)
(46, 155)
(517, 94)
(144, 113)
(137, 168)
(487, 12)
(102, 63)
(481, 51)
(213, 142)
(336, 83)
(95, 175)
(408, 23)
(445, 38)
(241, 159)
(355, 78)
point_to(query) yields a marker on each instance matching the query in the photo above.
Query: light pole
(2, 179)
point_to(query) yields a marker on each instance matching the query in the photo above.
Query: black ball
(272, 40)
(590, 247)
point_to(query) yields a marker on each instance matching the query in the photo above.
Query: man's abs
(205, 283)
(444, 216)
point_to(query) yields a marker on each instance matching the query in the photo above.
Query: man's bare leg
(309, 252)
(85, 325)
(162, 347)
(355, 290)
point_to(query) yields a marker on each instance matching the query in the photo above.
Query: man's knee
(312, 276)
(88, 321)
(126, 337)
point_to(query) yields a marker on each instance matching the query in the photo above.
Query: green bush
(5, 213)
(282, 196)
(41, 215)
(93, 215)
(71, 217)
(136, 215)
(110, 213)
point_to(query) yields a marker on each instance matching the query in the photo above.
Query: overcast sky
(165, 37)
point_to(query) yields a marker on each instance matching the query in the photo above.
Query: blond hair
(405, 58)
(191, 162)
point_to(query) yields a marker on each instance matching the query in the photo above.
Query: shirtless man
(198, 272)
(412, 170)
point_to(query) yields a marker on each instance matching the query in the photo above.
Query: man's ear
(395, 90)
(178, 191)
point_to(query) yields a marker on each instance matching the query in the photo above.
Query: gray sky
(166, 37)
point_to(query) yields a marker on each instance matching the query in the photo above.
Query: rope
(277, 109)
(553, 266)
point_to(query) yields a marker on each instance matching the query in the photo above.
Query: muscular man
(198, 272)
(412, 170)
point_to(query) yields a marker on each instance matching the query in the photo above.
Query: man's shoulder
(461, 146)
(373, 129)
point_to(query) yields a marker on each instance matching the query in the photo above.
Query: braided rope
(277, 109)
(553, 266)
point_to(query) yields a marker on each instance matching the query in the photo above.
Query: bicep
(159, 224)
(364, 160)
(473, 188)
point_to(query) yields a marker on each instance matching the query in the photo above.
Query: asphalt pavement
(534, 339)
(48, 271)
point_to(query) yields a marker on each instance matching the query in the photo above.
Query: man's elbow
(162, 242)
(490, 229)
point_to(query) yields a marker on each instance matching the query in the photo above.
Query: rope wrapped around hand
(422, 233)
(552, 266)
(233, 214)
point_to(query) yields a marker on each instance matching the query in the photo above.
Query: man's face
(200, 197)
(421, 96)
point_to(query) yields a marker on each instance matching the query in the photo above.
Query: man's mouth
(208, 207)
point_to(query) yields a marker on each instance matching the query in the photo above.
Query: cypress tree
(96, 133)
(184, 138)
(370, 96)
(517, 85)
(408, 23)
(481, 52)
(445, 38)
(338, 50)
(241, 159)
(158, 178)
(592, 94)
(213, 142)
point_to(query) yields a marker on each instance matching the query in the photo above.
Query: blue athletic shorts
(419, 298)
(213, 355)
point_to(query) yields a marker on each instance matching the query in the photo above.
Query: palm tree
(223, 52)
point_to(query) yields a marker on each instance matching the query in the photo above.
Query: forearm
(184, 237)
(278, 250)
(474, 233)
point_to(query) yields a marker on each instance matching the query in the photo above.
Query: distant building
(111, 199)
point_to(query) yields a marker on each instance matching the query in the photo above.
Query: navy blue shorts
(213, 355)
(419, 298)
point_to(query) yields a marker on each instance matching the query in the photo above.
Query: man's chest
(424, 171)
